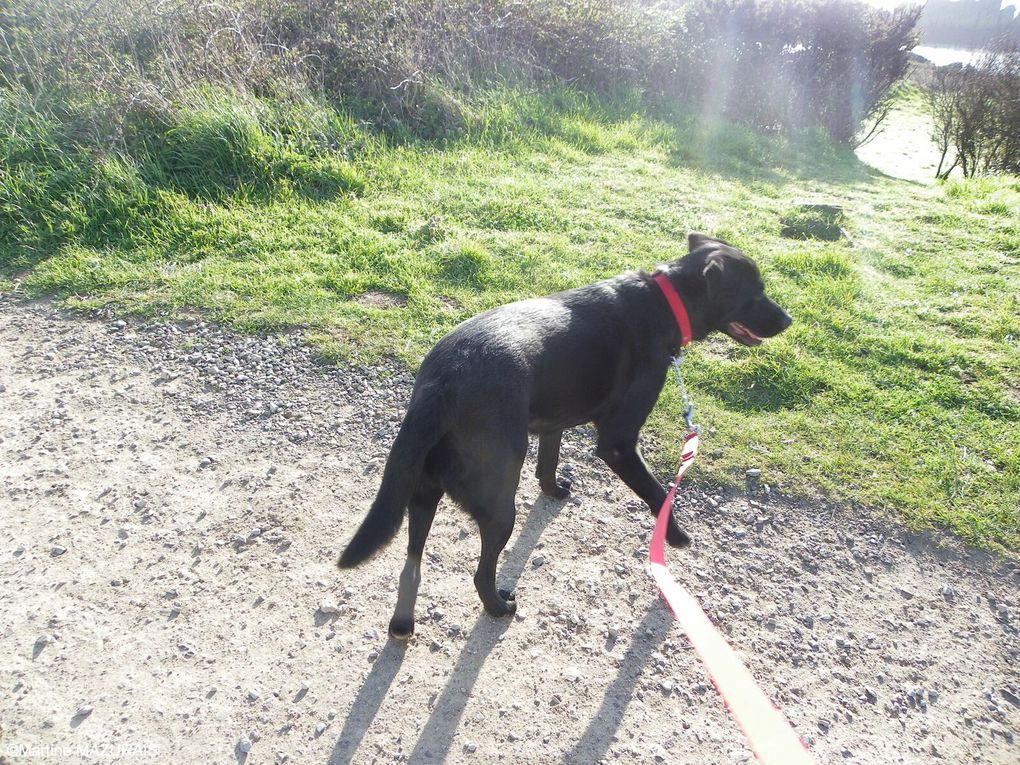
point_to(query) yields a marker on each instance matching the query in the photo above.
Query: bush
(792, 64)
(976, 113)
(781, 65)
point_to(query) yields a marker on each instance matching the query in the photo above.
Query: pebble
(948, 592)
(905, 592)
(470, 747)
(537, 561)
(320, 729)
(57, 551)
(666, 686)
(253, 695)
(870, 695)
(84, 711)
(244, 745)
(329, 606)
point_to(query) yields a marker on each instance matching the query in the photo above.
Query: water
(942, 55)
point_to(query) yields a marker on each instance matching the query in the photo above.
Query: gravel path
(172, 499)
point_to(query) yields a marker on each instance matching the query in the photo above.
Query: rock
(470, 747)
(666, 686)
(320, 729)
(948, 592)
(752, 477)
(253, 695)
(905, 592)
(84, 711)
(57, 550)
(329, 606)
(870, 695)
(537, 561)
(244, 745)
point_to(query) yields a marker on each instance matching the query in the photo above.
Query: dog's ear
(714, 273)
(696, 240)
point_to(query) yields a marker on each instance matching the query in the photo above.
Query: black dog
(594, 354)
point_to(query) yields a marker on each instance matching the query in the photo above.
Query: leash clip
(685, 397)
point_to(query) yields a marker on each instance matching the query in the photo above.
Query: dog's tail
(422, 428)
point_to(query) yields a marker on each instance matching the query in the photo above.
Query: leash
(770, 736)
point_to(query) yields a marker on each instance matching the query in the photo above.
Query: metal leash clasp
(685, 397)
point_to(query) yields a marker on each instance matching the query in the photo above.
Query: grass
(898, 385)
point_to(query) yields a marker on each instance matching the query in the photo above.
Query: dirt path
(171, 503)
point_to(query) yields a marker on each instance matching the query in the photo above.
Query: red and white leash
(770, 736)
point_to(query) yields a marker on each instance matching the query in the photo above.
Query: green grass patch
(898, 385)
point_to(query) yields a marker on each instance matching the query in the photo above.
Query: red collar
(676, 305)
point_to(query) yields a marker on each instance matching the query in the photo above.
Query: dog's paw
(558, 490)
(675, 536)
(504, 607)
(401, 629)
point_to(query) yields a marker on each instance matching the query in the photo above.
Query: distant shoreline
(943, 55)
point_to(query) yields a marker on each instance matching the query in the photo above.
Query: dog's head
(728, 294)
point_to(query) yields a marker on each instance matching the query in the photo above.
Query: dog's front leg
(617, 446)
(548, 459)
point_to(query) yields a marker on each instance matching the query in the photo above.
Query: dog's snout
(785, 321)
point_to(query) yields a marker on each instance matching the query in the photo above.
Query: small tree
(976, 112)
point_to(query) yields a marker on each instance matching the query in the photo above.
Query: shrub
(406, 64)
(792, 64)
(976, 113)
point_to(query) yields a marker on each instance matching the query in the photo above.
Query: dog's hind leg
(548, 459)
(495, 528)
(420, 512)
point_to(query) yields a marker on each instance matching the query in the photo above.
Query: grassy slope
(898, 386)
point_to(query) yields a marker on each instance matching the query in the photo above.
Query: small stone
(470, 747)
(331, 714)
(205, 462)
(870, 695)
(244, 745)
(948, 592)
(254, 736)
(57, 551)
(752, 476)
(329, 606)
(537, 561)
(666, 686)
(1002, 613)
(84, 711)
(120, 324)
(905, 592)
(253, 695)
(320, 729)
